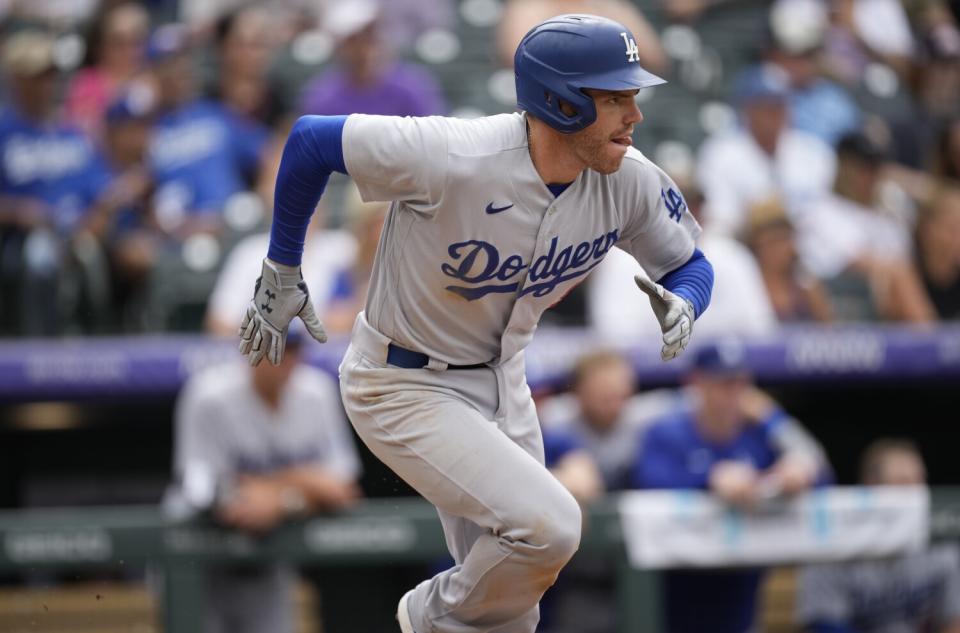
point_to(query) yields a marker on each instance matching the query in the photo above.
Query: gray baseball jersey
(476, 247)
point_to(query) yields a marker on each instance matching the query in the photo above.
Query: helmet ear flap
(572, 115)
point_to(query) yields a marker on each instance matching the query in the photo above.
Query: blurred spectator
(245, 46)
(618, 313)
(865, 31)
(55, 194)
(935, 91)
(366, 78)
(861, 251)
(408, 19)
(201, 15)
(738, 444)
(762, 159)
(365, 221)
(326, 254)
(520, 16)
(200, 153)
(938, 252)
(947, 161)
(918, 591)
(115, 49)
(794, 294)
(132, 240)
(817, 105)
(60, 14)
(256, 446)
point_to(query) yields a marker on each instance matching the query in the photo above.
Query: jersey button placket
(513, 323)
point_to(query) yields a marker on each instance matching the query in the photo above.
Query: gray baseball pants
(469, 442)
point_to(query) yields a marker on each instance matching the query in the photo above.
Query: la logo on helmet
(633, 53)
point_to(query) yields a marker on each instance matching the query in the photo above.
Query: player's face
(602, 145)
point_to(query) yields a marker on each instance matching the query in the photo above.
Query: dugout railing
(375, 533)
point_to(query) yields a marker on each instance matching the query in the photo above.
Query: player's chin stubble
(595, 151)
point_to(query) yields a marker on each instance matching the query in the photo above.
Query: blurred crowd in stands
(817, 141)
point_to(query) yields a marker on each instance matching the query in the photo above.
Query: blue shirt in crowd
(556, 444)
(52, 163)
(200, 155)
(674, 455)
(825, 110)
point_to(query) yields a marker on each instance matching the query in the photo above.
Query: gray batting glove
(280, 295)
(674, 313)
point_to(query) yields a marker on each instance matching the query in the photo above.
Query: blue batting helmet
(561, 57)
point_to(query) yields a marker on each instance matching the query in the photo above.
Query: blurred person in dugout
(367, 79)
(861, 249)
(58, 201)
(605, 414)
(256, 446)
(737, 443)
(795, 294)
(604, 418)
(574, 467)
(917, 592)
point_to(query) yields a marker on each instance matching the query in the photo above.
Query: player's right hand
(279, 295)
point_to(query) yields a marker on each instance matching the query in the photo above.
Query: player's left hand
(674, 313)
(279, 296)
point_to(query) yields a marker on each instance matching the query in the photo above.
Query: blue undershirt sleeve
(313, 151)
(692, 281)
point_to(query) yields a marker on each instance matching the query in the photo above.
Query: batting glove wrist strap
(675, 314)
(280, 295)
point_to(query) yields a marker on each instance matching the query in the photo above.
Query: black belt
(408, 359)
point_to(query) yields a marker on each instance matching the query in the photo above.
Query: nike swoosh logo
(492, 209)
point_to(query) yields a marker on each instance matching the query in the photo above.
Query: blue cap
(166, 41)
(725, 358)
(765, 82)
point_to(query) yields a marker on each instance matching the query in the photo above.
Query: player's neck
(553, 159)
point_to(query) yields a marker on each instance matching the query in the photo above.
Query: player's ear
(567, 109)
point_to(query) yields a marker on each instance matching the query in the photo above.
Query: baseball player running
(492, 221)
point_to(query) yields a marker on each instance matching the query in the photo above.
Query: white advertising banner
(673, 528)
